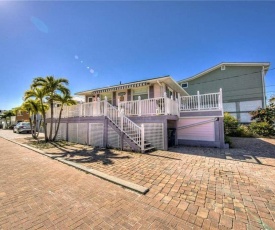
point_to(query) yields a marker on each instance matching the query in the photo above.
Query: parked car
(22, 127)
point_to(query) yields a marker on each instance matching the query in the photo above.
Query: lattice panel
(72, 132)
(113, 138)
(96, 131)
(82, 133)
(61, 135)
(53, 130)
(153, 133)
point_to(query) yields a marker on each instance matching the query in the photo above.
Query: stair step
(146, 150)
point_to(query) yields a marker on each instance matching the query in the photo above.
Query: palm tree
(52, 87)
(38, 94)
(65, 99)
(7, 114)
(33, 107)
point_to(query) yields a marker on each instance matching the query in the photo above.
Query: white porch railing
(95, 108)
(211, 101)
(152, 106)
(147, 107)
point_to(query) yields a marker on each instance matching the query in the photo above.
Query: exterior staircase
(129, 131)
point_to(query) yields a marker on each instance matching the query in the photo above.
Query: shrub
(262, 128)
(230, 124)
(243, 131)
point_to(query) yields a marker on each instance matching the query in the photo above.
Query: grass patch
(41, 144)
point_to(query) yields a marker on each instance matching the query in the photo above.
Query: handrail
(128, 127)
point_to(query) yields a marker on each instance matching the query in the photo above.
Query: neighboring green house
(242, 84)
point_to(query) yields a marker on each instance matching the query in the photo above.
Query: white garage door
(202, 132)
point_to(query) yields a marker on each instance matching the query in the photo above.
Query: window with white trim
(142, 92)
(184, 85)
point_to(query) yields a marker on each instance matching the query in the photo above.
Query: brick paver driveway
(199, 188)
(37, 192)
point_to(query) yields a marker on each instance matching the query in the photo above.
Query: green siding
(241, 88)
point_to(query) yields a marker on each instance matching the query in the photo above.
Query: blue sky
(96, 44)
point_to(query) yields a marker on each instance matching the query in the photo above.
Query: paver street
(190, 188)
(39, 193)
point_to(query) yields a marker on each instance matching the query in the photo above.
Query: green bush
(230, 125)
(262, 129)
(243, 131)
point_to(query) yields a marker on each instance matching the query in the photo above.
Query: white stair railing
(131, 129)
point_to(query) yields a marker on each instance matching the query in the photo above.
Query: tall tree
(52, 87)
(65, 99)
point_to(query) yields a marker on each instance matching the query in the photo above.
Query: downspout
(263, 83)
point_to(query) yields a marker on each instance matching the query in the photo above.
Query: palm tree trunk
(44, 121)
(59, 118)
(51, 124)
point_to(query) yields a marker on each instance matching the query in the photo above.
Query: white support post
(84, 110)
(67, 111)
(142, 138)
(179, 100)
(178, 107)
(81, 110)
(220, 100)
(118, 105)
(199, 100)
(165, 104)
(139, 105)
(121, 120)
(98, 107)
(105, 106)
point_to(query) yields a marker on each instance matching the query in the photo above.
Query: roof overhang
(168, 80)
(263, 64)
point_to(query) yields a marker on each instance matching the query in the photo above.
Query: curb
(104, 176)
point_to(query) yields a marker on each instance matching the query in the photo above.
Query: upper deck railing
(205, 102)
(146, 107)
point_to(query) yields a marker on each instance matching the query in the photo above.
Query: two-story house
(243, 86)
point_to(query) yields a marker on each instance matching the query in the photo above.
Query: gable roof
(166, 79)
(265, 64)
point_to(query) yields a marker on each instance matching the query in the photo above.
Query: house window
(184, 85)
(90, 99)
(142, 92)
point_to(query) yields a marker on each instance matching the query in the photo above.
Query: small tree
(65, 99)
(264, 115)
(34, 108)
(38, 94)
